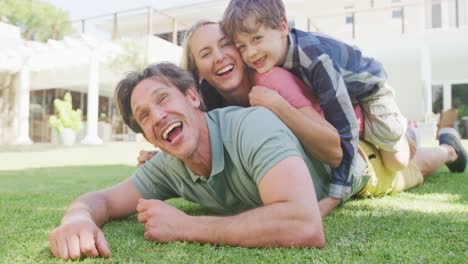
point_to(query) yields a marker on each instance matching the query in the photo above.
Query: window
(168, 36)
(397, 13)
(349, 19)
(436, 14)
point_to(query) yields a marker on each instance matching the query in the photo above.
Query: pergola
(29, 57)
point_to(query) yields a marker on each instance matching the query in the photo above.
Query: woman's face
(217, 60)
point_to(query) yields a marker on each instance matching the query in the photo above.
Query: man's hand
(78, 238)
(162, 222)
(144, 156)
(327, 204)
(261, 96)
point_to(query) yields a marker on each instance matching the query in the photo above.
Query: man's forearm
(283, 224)
(115, 202)
(91, 206)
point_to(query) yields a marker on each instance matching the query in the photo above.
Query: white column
(22, 107)
(447, 96)
(426, 78)
(92, 137)
(445, 8)
(174, 31)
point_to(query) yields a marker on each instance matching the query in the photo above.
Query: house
(423, 45)
(33, 74)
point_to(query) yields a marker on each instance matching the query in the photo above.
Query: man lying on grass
(241, 162)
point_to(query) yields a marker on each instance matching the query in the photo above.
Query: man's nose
(158, 115)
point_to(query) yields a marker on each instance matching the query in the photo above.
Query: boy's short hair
(264, 12)
(165, 72)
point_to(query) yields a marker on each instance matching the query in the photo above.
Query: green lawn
(428, 224)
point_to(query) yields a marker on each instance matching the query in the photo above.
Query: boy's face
(263, 49)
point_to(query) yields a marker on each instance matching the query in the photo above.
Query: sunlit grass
(428, 224)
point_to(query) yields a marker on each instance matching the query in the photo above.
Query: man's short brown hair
(166, 72)
(264, 12)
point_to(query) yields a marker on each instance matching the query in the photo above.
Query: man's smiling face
(167, 117)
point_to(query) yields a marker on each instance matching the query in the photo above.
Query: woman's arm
(293, 103)
(319, 138)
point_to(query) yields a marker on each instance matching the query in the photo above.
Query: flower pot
(67, 136)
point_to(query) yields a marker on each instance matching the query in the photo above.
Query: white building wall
(405, 78)
(463, 12)
(162, 50)
(9, 35)
(369, 21)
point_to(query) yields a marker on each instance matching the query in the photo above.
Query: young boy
(336, 72)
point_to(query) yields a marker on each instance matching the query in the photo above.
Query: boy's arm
(335, 101)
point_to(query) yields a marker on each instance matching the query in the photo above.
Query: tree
(38, 20)
(132, 59)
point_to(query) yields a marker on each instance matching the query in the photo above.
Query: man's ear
(284, 27)
(193, 97)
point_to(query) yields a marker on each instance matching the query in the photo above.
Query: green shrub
(66, 117)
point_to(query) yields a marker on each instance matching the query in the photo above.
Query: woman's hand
(144, 156)
(261, 96)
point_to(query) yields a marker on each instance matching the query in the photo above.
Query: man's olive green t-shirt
(245, 144)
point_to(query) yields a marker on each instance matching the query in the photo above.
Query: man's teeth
(169, 129)
(225, 69)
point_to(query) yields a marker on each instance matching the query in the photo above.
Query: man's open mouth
(225, 70)
(172, 132)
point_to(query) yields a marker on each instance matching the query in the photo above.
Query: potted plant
(67, 121)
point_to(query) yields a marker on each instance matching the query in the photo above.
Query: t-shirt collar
(217, 151)
(288, 62)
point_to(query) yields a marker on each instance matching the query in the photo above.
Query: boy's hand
(261, 96)
(327, 204)
(144, 155)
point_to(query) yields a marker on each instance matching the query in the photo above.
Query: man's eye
(143, 117)
(162, 98)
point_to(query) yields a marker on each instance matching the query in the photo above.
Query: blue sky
(87, 8)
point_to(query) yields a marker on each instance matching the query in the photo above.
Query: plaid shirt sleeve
(325, 78)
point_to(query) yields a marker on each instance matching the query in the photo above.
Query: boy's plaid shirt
(338, 74)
